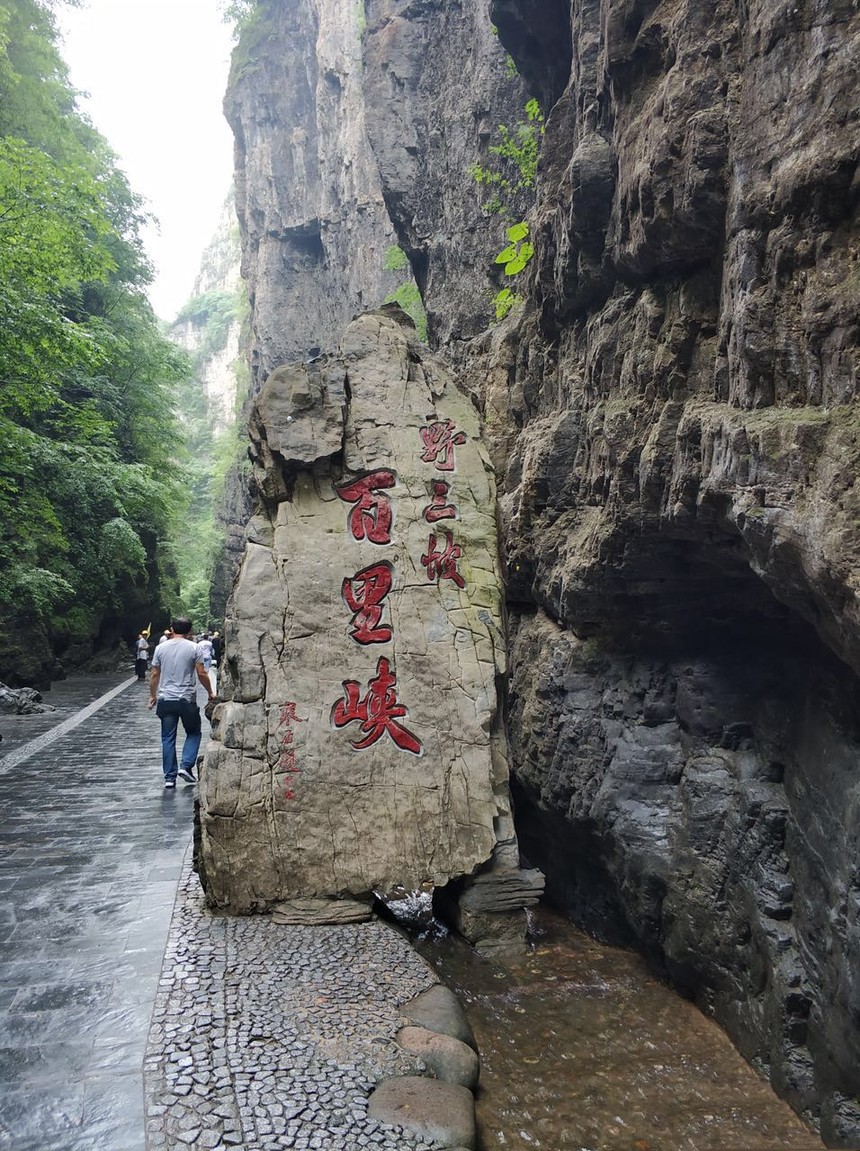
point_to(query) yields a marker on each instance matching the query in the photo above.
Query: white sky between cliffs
(155, 74)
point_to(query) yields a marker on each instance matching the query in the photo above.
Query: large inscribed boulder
(359, 746)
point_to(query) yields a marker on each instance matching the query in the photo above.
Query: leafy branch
(518, 152)
(515, 256)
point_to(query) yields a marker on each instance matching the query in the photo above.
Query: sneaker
(187, 773)
(170, 783)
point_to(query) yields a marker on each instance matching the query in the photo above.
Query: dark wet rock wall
(675, 416)
(700, 804)
(674, 425)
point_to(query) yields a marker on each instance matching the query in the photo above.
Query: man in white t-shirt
(177, 667)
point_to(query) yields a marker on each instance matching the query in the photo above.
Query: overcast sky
(156, 73)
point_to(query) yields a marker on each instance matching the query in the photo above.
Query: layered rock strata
(674, 420)
(675, 417)
(360, 745)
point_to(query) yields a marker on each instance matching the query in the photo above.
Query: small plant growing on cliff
(396, 260)
(518, 252)
(515, 256)
(409, 299)
(510, 63)
(406, 294)
(518, 150)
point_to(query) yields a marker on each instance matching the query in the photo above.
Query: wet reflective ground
(582, 1047)
(91, 847)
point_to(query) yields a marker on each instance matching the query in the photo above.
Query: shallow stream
(583, 1047)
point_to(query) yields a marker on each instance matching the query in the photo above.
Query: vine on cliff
(518, 150)
(515, 256)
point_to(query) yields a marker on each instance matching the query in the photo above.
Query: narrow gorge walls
(356, 128)
(315, 230)
(673, 422)
(436, 87)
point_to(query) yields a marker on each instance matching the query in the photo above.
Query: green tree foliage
(90, 484)
(214, 312)
(239, 13)
(214, 449)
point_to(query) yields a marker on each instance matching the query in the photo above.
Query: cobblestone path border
(267, 1036)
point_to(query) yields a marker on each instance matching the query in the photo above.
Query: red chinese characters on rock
(377, 713)
(438, 509)
(364, 594)
(371, 515)
(443, 565)
(287, 760)
(440, 438)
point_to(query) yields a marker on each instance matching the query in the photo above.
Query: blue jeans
(170, 711)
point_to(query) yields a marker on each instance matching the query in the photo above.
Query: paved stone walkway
(131, 1018)
(254, 1035)
(267, 1037)
(91, 849)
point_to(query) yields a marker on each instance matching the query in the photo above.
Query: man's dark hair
(181, 625)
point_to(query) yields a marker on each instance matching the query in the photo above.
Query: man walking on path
(176, 666)
(206, 652)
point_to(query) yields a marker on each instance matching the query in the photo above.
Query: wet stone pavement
(91, 849)
(131, 1019)
(268, 1036)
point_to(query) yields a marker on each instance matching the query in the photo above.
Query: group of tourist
(179, 663)
(209, 644)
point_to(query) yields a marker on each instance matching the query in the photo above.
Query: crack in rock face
(357, 748)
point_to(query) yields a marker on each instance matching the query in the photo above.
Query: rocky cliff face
(437, 87)
(312, 85)
(209, 326)
(677, 424)
(674, 425)
(315, 229)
